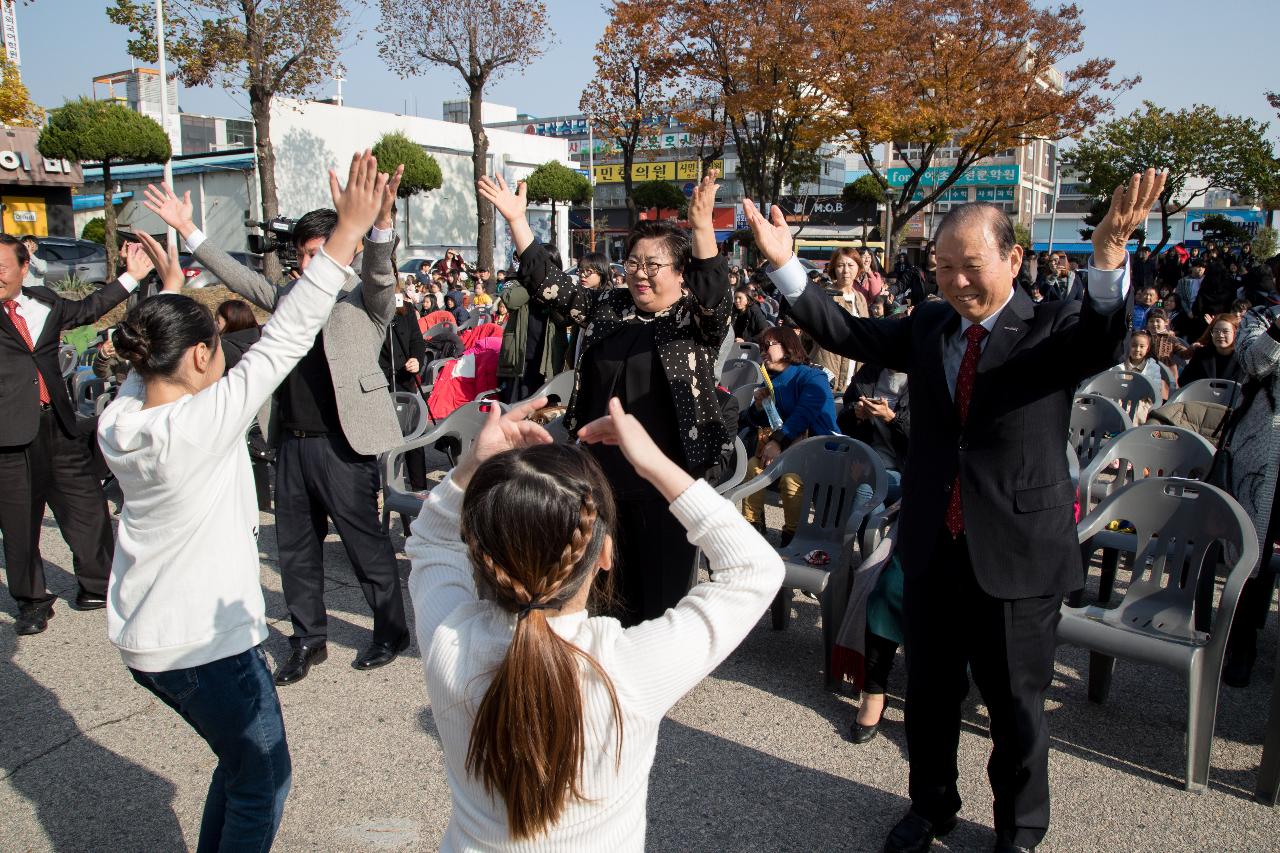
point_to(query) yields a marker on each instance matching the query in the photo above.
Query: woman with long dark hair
(654, 345)
(1215, 355)
(548, 717)
(238, 329)
(185, 603)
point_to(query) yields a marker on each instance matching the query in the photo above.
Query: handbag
(1221, 470)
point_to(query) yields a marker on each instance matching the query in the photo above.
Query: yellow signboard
(663, 170)
(25, 216)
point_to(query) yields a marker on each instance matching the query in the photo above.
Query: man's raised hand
(358, 204)
(137, 263)
(511, 205)
(772, 235)
(165, 261)
(1130, 204)
(173, 211)
(386, 218)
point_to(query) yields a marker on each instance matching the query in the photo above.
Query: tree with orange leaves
(633, 90)
(979, 77)
(758, 63)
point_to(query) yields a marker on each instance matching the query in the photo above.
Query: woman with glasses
(1215, 356)
(653, 346)
(594, 273)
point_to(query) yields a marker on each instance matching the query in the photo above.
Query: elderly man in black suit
(43, 458)
(987, 536)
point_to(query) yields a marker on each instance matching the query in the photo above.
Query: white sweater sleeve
(441, 579)
(664, 658)
(218, 416)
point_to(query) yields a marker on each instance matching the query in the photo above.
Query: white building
(311, 138)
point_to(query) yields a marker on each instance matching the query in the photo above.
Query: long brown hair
(535, 521)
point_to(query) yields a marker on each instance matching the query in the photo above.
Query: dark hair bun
(131, 344)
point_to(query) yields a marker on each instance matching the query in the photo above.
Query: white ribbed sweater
(652, 665)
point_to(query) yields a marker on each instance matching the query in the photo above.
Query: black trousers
(879, 662)
(951, 624)
(317, 479)
(655, 560)
(55, 470)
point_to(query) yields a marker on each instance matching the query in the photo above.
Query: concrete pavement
(753, 759)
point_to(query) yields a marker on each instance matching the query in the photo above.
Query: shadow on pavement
(85, 796)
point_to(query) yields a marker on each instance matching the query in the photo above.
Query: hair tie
(543, 605)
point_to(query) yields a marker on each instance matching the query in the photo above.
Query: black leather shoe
(381, 654)
(33, 618)
(860, 734)
(90, 601)
(299, 663)
(915, 833)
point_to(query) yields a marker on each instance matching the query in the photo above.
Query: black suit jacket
(1011, 453)
(19, 390)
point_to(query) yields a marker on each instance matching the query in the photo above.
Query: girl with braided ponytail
(548, 716)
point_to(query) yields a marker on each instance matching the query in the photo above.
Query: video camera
(277, 237)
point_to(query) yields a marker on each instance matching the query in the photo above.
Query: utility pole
(591, 176)
(1053, 210)
(164, 102)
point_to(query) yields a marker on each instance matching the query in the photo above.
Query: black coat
(236, 344)
(750, 323)
(1010, 454)
(687, 335)
(403, 342)
(19, 389)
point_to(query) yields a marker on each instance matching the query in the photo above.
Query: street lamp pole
(1053, 210)
(164, 98)
(591, 176)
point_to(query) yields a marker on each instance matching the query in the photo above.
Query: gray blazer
(353, 337)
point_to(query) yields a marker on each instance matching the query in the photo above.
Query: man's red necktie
(21, 324)
(964, 390)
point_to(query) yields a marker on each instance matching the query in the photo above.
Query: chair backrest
(842, 481)
(1222, 391)
(1146, 451)
(748, 350)
(1176, 521)
(465, 422)
(1167, 372)
(411, 412)
(745, 395)
(739, 472)
(1095, 420)
(87, 391)
(433, 371)
(738, 372)
(67, 359)
(1125, 387)
(560, 387)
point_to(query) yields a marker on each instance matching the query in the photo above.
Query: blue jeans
(232, 704)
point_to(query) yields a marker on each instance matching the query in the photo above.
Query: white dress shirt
(1107, 289)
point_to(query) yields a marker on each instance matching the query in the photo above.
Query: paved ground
(753, 759)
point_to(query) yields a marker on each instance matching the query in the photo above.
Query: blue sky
(1220, 53)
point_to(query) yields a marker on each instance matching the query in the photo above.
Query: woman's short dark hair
(792, 348)
(318, 223)
(675, 238)
(236, 316)
(597, 263)
(154, 334)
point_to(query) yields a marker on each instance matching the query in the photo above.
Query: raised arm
(176, 213)
(695, 636)
(706, 278)
(1258, 343)
(377, 272)
(218, 416)
(137, 265)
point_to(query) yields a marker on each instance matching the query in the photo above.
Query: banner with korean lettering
(994, 175)
(662, 170)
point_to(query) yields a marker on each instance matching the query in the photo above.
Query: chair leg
(1202, 711)
(1110, 562)
(780, 610)
(831, 605)
(1100, 668)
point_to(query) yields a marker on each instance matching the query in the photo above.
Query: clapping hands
(358, 205)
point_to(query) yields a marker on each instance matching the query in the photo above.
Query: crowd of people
(549, 718)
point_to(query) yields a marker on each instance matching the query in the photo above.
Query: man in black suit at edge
(987, 537)
(43, 458)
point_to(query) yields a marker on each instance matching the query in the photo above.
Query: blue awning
(1060, 246)
(194, 165)
(93, 202)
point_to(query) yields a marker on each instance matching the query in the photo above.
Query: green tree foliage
(1218, 227)
(662, 195)
(865, 189)
(109, 133)
(1266, 243)
(95, 230)
(1225, 152)
(555, 182)
(258, 48)
(421, 171)
(1022, 235)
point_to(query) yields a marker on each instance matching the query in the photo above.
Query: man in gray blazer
(329, 420)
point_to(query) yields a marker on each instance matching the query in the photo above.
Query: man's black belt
(302, 433)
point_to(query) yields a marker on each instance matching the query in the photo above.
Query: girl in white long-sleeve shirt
(548, 717)
(185, 605)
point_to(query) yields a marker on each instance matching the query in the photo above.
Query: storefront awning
(93, 202)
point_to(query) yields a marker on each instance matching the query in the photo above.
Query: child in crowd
(1166, 347)
(1139, 360)
(549, 717)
